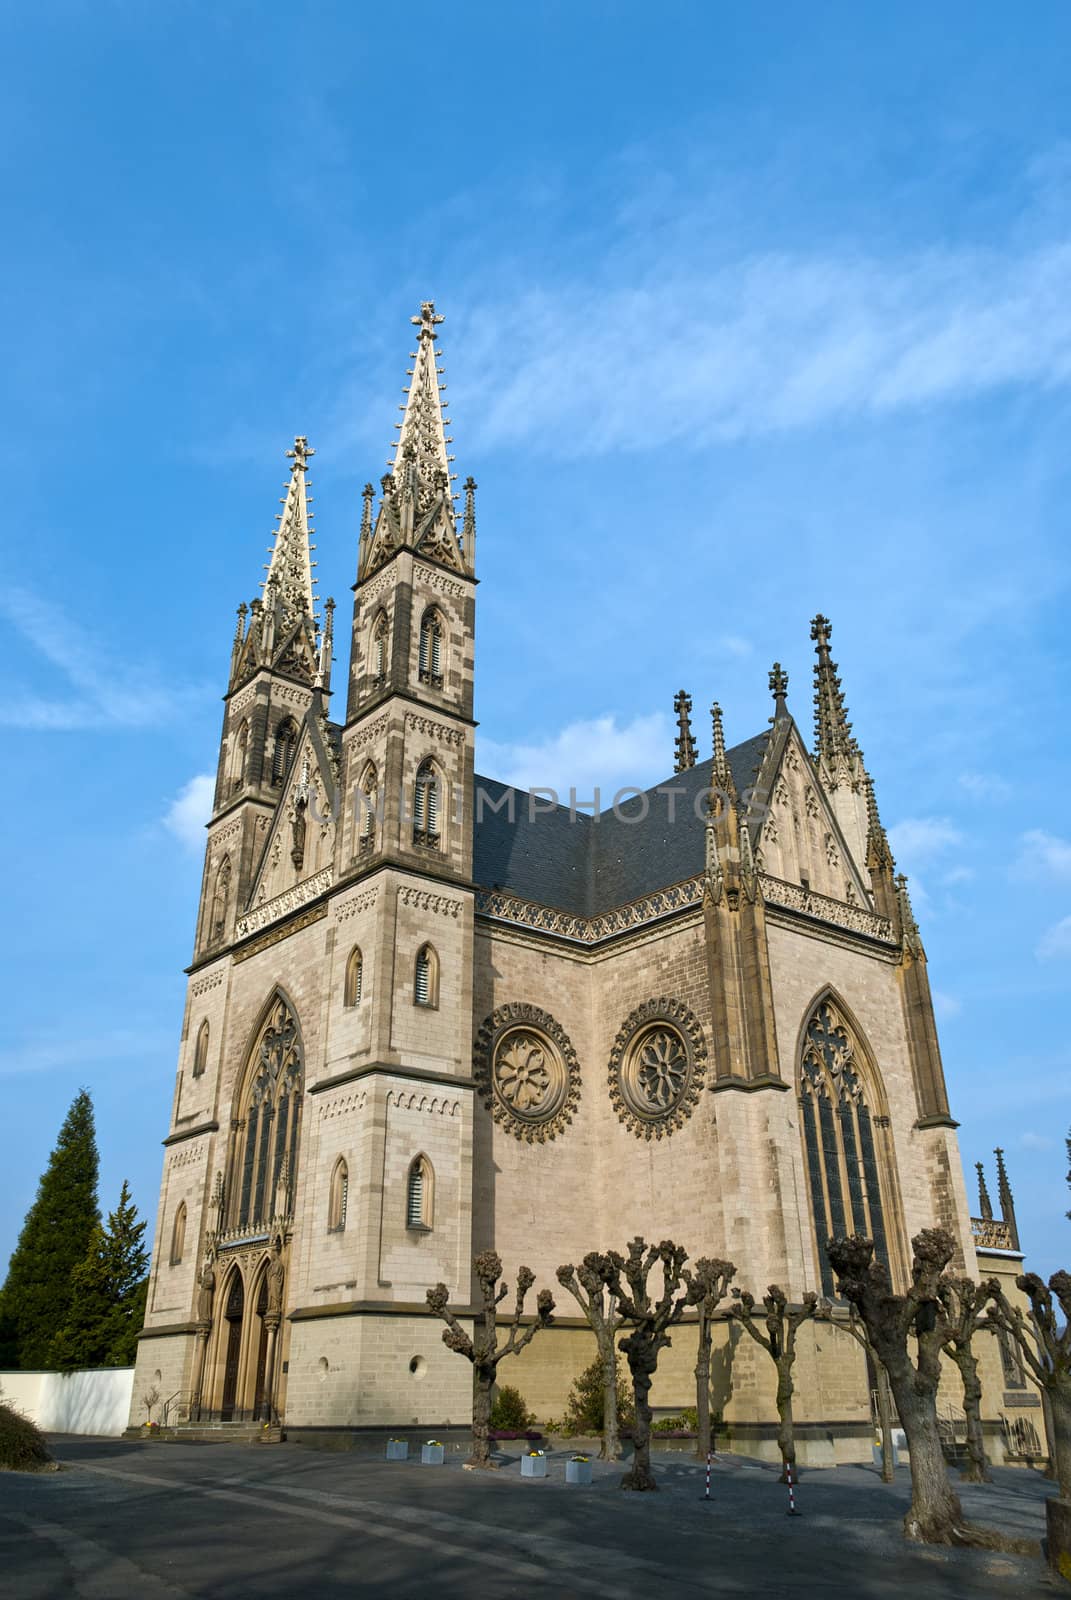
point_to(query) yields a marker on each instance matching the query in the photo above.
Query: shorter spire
(1007, 1204)
(779, 689)
(910, 937)
(721, 771)
(323, 674)
(288, 588)
(985, 1205)
(835, 748)
(684, 745)
(878, 850)
(468, 526)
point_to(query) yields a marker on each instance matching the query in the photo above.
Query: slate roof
(587, 865)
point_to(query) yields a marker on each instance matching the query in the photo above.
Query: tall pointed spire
(684, 744)
(721, 772)
(288, 587)
(836, 751)
(422, 437)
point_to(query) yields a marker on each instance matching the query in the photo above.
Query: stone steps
(211, 1433)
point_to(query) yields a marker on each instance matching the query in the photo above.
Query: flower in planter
(537, 1452)
(580, 1458)
(436, 1442)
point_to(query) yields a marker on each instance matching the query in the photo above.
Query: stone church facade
(428, 1015)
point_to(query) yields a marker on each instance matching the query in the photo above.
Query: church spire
(1007, 1204)
(288, 588)
(836, 751)
(684, 744)
(779, 689)
(985, 1205)
(417, 506)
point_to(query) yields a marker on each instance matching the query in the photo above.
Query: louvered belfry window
(418, 1193)
(426, 807)
(431, 650)
(839, 1140)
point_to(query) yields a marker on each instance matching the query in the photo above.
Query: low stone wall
(95, 1402)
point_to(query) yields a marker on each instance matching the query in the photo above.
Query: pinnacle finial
(684, 745)
(835, 747)
(468, 525)
(821, 631)
(428, 320)
(719, 735)
(300, 454)
(878, 851)
(779, 688)
(984, 1203)
(1007, 1204)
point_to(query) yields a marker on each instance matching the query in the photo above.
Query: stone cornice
(381, 1069)
(191, 1133)
(282, 905)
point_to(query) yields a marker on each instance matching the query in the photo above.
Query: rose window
(656, 1067)
(661, 1068)
(522, 1075)
(526, 1071)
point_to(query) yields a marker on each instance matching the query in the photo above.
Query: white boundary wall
(72, 1402)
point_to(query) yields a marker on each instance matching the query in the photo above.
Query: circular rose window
(656, 1067)
(527, 1071)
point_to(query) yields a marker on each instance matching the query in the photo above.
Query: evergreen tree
(108, 1302)
(36, 1297)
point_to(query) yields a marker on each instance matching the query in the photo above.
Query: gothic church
(428, 1015)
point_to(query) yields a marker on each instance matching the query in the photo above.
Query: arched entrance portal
(233, 1313)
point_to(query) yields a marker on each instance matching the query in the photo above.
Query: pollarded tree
(935, 1515)
(963, 1302)
(708, 1284)
(589, 1287)
(1045, 1347)
(55, 1239)
(483, 1349)
(649, 1319)
(783, 1322)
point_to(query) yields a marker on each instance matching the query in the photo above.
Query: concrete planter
(534, 1466)
(432, 1455)
(578, 1472)
(397, 1449)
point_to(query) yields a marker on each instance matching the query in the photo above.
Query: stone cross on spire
(685, 744)
(422, 437)
(779, 689)
(300, 454)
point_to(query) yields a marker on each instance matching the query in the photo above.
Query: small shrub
(686, 1421)
(509, 1409)
(22, 1447)
(584, 1408)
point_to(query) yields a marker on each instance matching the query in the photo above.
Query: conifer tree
(108, 1302)
(36, 1297)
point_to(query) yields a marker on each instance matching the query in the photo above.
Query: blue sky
(751, 312)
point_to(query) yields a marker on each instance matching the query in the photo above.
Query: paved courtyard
(169, 1521)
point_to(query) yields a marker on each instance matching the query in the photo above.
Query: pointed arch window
(221, 895)
(419, 1194)
(178, 1235)
(840, 1152)
(431, 649)
(426, 978)
(354, 977)
(368, 808)
(240, 755)
(284, 750)
(380, 649)
(263, 1167)
(336, 1206)
(427, 807)
(200, 1051)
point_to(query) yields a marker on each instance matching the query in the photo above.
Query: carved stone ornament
(656, 1068)
(527, 1072)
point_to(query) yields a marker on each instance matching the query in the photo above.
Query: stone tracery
(656, 1067)
(527, 1071)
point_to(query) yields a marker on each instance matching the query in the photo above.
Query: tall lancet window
(431, 649)
(839, 1138)
(367, 811)
(380, 641)
(427, 806)
(286, 738)
(265, 1148)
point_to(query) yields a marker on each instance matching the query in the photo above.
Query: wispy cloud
(1055, 943)
(586, 755)
(1044, 855)
(985, 785)
(102, 692)
(621, 360)
(1036, 1141)
(918, 840)
(946, 1005)
(191, 808)
(53, 1053)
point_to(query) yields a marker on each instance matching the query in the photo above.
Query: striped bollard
(706, 1496)
(792, 1512)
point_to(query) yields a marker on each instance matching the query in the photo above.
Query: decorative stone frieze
(795, 898)
(202, 986)
(438, 581)
(343, 1103)
(364, 901)
(424, 900)
(656, 1067)
(430, 729)
(370, 732)
(527, 1072)
(291, 900)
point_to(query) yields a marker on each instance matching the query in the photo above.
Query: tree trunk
(885, 1419)
(1060, 1408)
(483, 1382)
(639, 1475)
(935, 1511)
(611, 1441)
(977, 1468)
(702, 1387)
(786, 1438)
